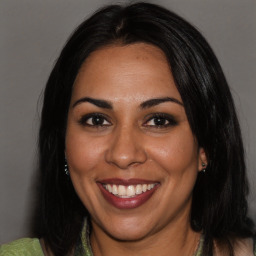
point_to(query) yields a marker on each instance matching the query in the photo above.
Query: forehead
(137, 71)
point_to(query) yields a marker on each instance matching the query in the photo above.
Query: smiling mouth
(128, 191)
(127, 194)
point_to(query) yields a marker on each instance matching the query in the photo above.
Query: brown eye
(94, 120)
(161, 120)
(158, 121)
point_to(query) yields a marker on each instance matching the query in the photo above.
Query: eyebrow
(97, 102)
(153, 102)
(108, 105)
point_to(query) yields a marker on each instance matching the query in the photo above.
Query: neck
(176, 238)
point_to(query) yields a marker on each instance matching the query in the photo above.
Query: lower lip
(127, 203)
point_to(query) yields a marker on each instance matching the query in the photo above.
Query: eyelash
(162, 117)
(84, 120)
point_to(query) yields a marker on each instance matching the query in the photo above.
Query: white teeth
(144, 187)
(128, 191)
(138, 189)
(121, 190)
(114, 190)
(109, 188)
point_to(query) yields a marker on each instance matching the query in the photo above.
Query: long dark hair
(219, 207)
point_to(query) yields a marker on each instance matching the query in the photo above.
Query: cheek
(176, 153)
(83, 152)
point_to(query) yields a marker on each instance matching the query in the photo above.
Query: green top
(32, 247)
(22, 247)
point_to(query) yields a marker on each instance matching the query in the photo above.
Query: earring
(66, 168)
(204, 167)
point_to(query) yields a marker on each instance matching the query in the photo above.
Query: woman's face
(132, 157)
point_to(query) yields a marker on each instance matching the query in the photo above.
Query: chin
(127, 235)
(128, 229)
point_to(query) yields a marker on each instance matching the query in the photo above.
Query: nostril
(124, 153)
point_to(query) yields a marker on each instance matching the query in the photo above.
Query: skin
(128, 145)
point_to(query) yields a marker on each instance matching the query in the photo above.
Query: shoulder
(245, 247)
(241, 247)
(22, 247)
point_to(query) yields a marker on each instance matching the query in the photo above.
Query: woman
(140, 147)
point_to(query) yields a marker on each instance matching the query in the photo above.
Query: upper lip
(126, 182)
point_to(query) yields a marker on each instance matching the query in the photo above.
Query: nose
(126, 149)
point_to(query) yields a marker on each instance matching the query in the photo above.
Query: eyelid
(170, 118)
(86, 117)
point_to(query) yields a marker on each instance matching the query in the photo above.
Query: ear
(202, 160)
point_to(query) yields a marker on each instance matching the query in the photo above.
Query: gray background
(32, 35)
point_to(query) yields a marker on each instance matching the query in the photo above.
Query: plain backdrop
(32, 33)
